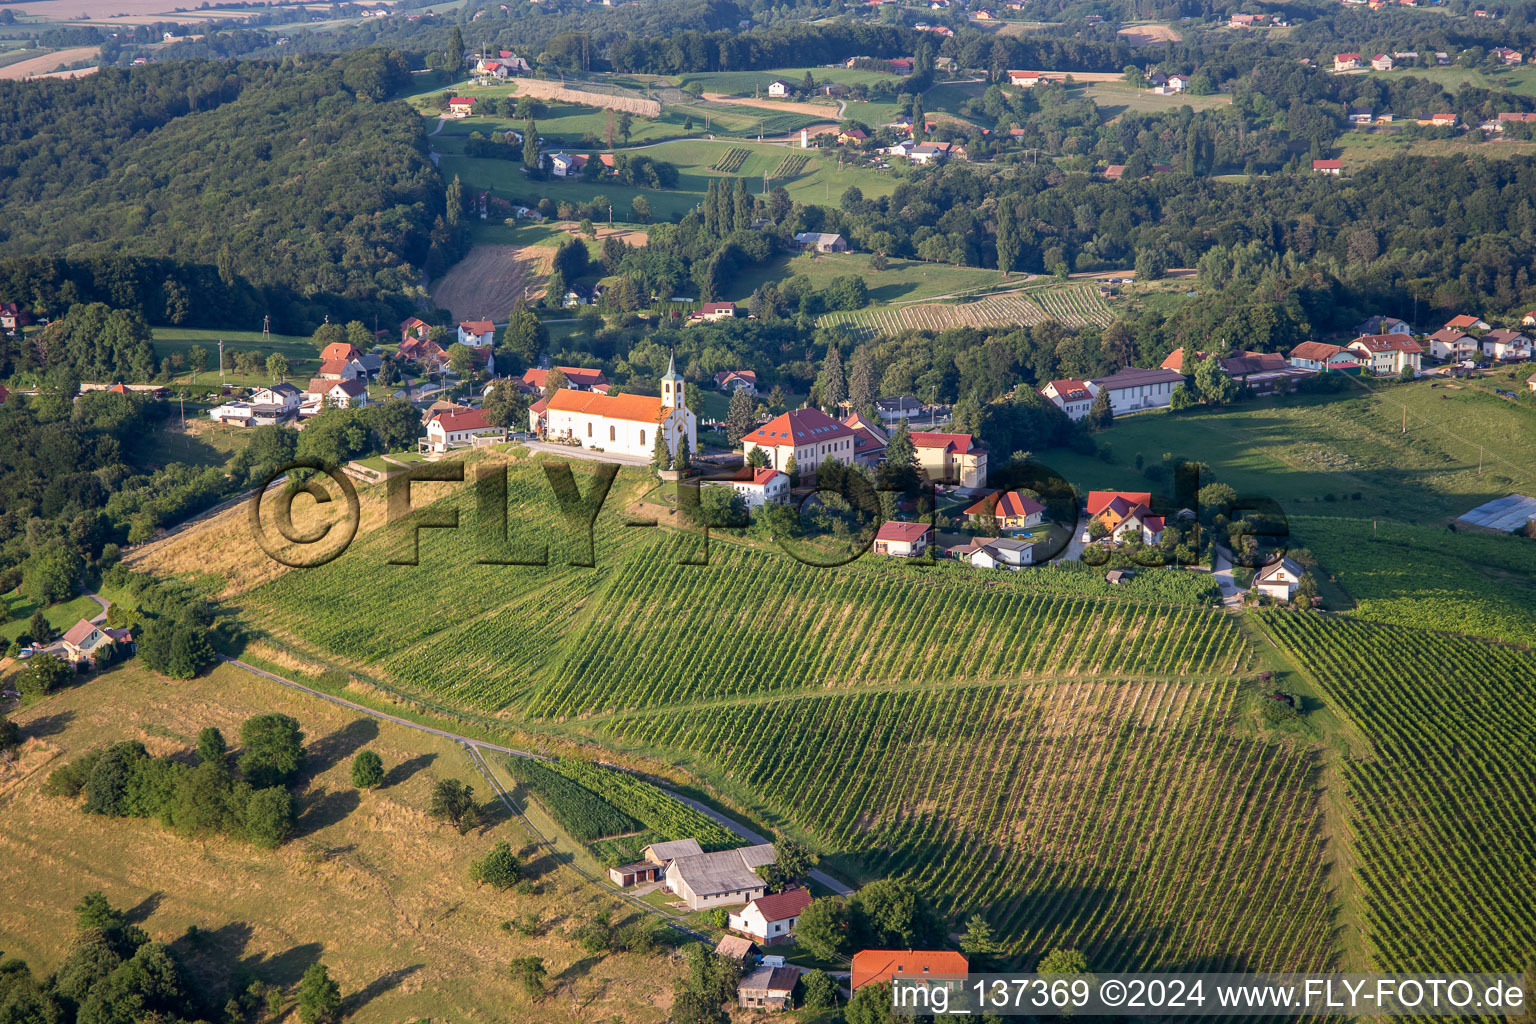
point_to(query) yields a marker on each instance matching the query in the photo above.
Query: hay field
(486, 283)
(372, 887)
(1150, 35)
(39, 67)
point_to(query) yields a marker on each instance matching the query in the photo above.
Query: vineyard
(578, 810)
(791, 165)
(1124, 818)
(731, 160)
(750, 624)
(1443, 814)
(1073, 306)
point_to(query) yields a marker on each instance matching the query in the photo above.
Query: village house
(652, 866)
(1346, 61)
(1359, 115)
(932, 152)
(577, 378)
(477, 333)
(1440, 120)
(1319, 355)
(1384, 325)
(461, 106)
(1071, 396)
(624, 424)
(778, 88)
(13, 317)
(767, 988)
(85, 639)
(249, 414)
(712, 311)
(1024, 79)
(874, 966)
(869, 440)
(1279, 580)
(771, 919)
(285, 396)
(737, 380)
(1176, 84)
(1011, 510)
(893, 410)
(723, 878)
(902, 540)
(429, 353)
(1452, 345)
(440, 407)
(414, 327)
(757, 487)
(809, 436)
(820, 241)
(1135, 390)
(1333, 167)
(851, 136)
(1381, 62)
(1387, 353)
(458, 429)
(1111, 508)
(995, 553)
(954, 459)
(1506, 346)
(1467, 322)
(343, 394)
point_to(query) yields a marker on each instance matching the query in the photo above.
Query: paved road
(473, 746)
(1221, 570)
(569, 451)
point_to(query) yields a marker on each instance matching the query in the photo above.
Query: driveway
(1221, 570)
(573, 452)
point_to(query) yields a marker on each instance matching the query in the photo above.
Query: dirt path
(783, 106)
(37, 67)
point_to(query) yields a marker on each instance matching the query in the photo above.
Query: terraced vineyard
(730, 162)
(1444, 813)
(791, 165)
(749, 624)
(1073, 306)
(1125, 817)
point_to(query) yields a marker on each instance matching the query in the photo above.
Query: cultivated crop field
(1443, 812)
(1123, 817)
(488, 281)
(1072, 306)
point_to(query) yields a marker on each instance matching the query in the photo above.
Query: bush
(43, 674)
(10, 733)
(69, 779)
(269, 817)
(367, 770)
(499, 869)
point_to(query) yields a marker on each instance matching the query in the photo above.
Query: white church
(620, 424)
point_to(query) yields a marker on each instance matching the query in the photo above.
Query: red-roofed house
(1098, 501)
(1070, 396)
(1139, 521)
(4, 394)
(429, 352)
(85, 639)
(1387, 353)
(1013, 510)
(13, 317)
(414, 327)
(1506, 345)
(1465, 322)
(771, 919)
(461, 106)
(872, 966)
(902, 540)
(341, 369)
(757, 487)
(477, 333)
(869, 440)
(1452, 345)
(955, 459)
(809, 436)
(1333, 167)
(1346, 61)
(577, 378)
(1319, 355)
(456, 429)
(339, 351)
(344, 394)
(737, 380)
(714, 311)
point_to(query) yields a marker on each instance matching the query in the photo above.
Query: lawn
(901, 280)
(1115, 98)
(1371, 502)
(750, 83)
(302, 354)
(821, 181)
(201, 443)
(60, 616)
(1359, 148)
(370, 885)
(1521, 80)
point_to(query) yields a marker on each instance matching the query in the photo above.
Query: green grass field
(749, 83)
(60, 616)
(1116, 98)
(901, 280)
(302, 355)
(1521, 80)
(821, 181)
(1389, 550)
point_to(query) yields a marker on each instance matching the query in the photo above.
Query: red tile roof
(800, 426)
(895, 530)
(726, 376)
(473, 419)
(539, 406)
(781, 906)
(1072, 390)
(461, 100)
(635, 408)
(1175, 360)
(1099, 500)
(1462, 321)
(577, 376)
(339, 350)
(1008, 503)
(717, 307)
(873, 965)
(1327, 165)
(79, 633)
(1320, 351)
(477, 326)
(763, 476)
(961, 444)
(332, 366)
(1387, 343)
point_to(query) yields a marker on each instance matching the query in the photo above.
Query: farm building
(719, 879)
(1279, 580)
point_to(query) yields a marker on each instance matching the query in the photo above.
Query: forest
(211, 193)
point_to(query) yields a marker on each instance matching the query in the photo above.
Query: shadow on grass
(219, 955)
(328, 751)
(377, 987)
(405, 769)
(48, 725)
(323, 808)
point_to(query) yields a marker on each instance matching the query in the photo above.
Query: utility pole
(1405, 419)
(221, 363)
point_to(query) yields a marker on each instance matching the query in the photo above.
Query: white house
(1024, 79)
(997, 553)
(1506, 344)
(771, 919)
(714, 311)
(624, 424)
(477, 333)
(1387, 353)
(456, 429)
(1139, 522)
(1070, 396)
(285, 395)
(1279, 580)
(893, 410)
(957, 459)
(251, 414)
(1012, 510)
(1384, 325)
(1133, 390)
(809, 436)
(1319, 355)
(779, 88)
(757, 487)
(737, 380)
(1177, 83)
(564, 165)
(344, 394)
(1452, 345)
(720, 879)
(821, 241)
(902, 540)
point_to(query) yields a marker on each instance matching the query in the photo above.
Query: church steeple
(673, 394)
